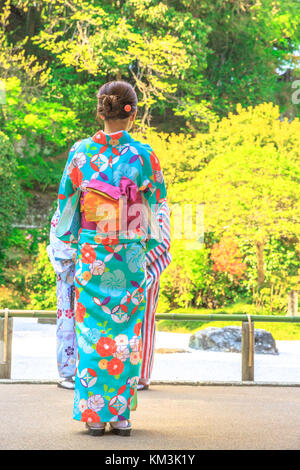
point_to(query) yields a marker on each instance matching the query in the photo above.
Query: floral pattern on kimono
(61, 259)
(110, 279)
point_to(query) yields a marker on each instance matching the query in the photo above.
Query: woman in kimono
(109, 197)
(61, 257)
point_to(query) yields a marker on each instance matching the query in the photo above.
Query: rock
(229, 339)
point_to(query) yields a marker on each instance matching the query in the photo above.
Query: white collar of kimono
(115, 138)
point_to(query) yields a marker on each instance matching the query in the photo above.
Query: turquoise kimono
(110, 279)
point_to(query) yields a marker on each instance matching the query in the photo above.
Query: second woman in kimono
(109, 198)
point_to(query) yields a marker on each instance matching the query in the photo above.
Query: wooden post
(247, 351)
(292, 303)
(6, 333)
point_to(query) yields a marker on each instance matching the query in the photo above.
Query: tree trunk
(292, 303)
(31, 21)
(260, 262)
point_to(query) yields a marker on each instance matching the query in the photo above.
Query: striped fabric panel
(158, 266)
(157, 261)
(148, 331)
(161, 251)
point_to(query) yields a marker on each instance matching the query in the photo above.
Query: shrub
(41, 282)
(40, 129)
(12, 201)
(227, 258)
(11, 298)
(281, 273)
(190, 281)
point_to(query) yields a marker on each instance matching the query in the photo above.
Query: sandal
(143, 384)
(121, 431)
(68, 383)
(96, 429)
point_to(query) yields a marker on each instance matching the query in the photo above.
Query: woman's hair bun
(109, 105)
(114, 98)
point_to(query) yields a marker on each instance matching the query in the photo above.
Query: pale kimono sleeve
(152, 184)
(68, 188)
(60, 254)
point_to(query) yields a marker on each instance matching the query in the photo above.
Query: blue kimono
(104, 176)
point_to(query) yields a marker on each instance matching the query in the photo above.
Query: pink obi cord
(126, 189)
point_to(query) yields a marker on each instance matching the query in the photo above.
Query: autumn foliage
(227, 258)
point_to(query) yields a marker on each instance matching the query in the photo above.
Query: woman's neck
(115, 126)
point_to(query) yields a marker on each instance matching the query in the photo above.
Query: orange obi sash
(108, 208)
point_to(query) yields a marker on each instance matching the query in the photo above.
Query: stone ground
(38, 416)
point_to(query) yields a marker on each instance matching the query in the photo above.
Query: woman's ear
(133, 116)
(131, 122)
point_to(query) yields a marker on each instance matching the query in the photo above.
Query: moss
(280, 331)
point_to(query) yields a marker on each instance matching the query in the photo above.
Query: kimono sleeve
(68, 201)
(164, 246)
(152, 184)
(151, 179)
(60, 254)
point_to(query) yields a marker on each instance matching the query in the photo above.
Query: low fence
(248, 332)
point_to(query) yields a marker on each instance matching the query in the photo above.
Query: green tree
(14, 60)
(186, 58)
(41, 282)
(101, 42)
(39, 129)
(250, 43)
(251, 186)
(12, 201)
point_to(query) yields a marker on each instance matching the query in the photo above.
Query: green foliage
(190, 281)
(250, 42)
(12, 201)
(251, 186)
(67, 88)
(281, 274)
(20, 243)
(14, 58)
(279, 331)
(191, 59)
(191, 62)
(39, 128)
(180, 156)
(101, 41)
(281, 259)
(191, 265)
(19, 251)
(11, 298)
(41, 282)
(198, 115)
(182, 326)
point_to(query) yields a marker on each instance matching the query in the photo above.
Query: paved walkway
(168, 417)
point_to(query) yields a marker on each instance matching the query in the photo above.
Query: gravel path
(34, 357)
